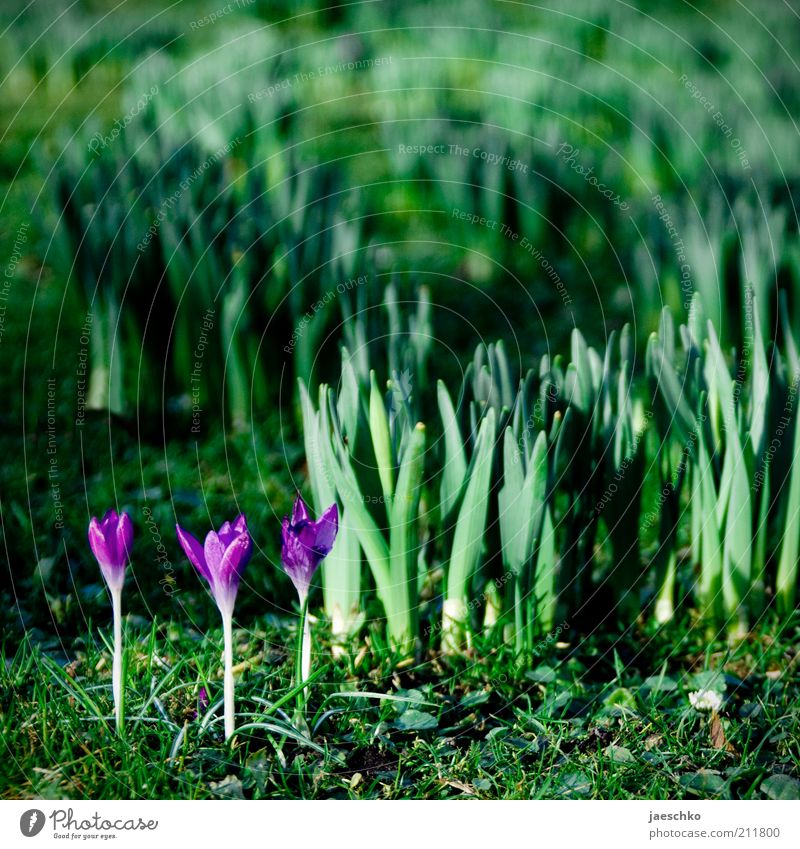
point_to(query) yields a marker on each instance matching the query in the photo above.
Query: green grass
(590, 719)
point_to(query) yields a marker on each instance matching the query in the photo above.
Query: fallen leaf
(717, 734)
(652, 741)
(229, 788)
(459, 785)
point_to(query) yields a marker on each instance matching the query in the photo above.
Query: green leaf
(672, 389)
(381, 440)
(619, 755)
(545, 577)
(338, 467)
(620, 701)
(541, 675)
(349, 402)
(711, 542)
(781, 786)
(416, 720)
(583, 386)
(468, 538)
(572, 784)
(760, 391)
(738, 540)
(703, 782)
(788, 334)
(719, 377)
(510, 513)
(786, 580)
(403, 537)
(660, 684)
(454, 473)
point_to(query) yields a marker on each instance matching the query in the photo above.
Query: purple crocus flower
(305, 544)
(111, 540)
(221, 560)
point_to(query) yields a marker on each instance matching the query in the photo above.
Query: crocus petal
(110, 519)
(305, 543)
(124, 537)
(327, 527)
(285, 531)
(230, 531)
(110, 541)
(299, 511)
(236, 557)
(213, 550)
(307, 535)
(221, 559)
(97, 541)
(226, 534)
(194, 551)
(230, 571)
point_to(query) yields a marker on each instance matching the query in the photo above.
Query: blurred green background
(534, 167)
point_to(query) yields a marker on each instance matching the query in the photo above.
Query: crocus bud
(111, 540)
(221, 560)
(305, 544)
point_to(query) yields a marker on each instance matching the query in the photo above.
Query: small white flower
(705, 700)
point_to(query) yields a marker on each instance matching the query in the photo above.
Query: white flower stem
(227, 630)
(302, 658)
(306, 666)
(116, 668)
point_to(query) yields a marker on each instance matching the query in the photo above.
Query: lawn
(588, 719)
